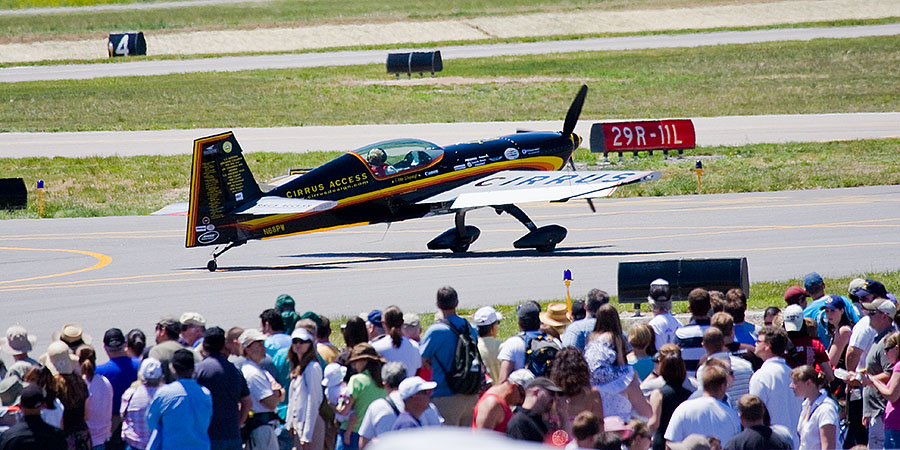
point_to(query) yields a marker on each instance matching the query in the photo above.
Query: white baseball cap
(250, 336)
(486, 316)
(793, 318)
(413, 385)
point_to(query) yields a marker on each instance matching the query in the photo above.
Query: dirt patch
(523, 25)
(454, 81)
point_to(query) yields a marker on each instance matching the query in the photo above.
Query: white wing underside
(263, 206)
(524, 186)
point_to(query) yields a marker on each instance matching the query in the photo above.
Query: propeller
(574, 111)
(569, 127)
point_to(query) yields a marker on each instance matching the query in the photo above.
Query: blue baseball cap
(833, 302)
(374, 317)
(812, 279)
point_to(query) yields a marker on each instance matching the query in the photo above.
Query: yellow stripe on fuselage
(550, 162)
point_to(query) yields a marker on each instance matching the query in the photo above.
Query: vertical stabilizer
(220, 182)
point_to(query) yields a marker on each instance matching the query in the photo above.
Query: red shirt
(507, 413)
(811, 352)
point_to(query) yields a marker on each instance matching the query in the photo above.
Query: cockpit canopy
(389, 158)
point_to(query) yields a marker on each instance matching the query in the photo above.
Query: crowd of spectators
(819, 374)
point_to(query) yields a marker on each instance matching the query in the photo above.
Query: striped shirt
(690, 339)
(135, 401)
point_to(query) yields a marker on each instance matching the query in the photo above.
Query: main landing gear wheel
(542, 239)
(456, 239)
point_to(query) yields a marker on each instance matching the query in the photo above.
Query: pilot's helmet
(377, 157)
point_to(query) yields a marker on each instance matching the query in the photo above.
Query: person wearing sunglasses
(494, 409)
(890, 389)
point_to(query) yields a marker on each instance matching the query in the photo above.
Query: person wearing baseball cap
(193, 325)
(416, 394)
(227, 387)
(135, 402)
(796, 295)
(512, 352)
(487, 319)
(529, 422)
(32, 431)
(121, 373)
(265, 392)
(809, 351)
(814, 285)
(494, 409)
(663, 323)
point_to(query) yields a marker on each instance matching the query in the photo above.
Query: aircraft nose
(576, 139)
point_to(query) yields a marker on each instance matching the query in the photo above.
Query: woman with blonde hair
(820, 415)
(610, 373)
(305, 396)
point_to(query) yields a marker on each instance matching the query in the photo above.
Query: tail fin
(220, 182)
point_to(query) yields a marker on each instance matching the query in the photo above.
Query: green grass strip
(842, 75)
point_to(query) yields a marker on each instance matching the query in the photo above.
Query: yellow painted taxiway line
(102, 260)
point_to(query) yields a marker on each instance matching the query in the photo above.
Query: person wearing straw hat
(556, 316)
(18, 343)
(363, 388)
(73, 392)
(73, 335)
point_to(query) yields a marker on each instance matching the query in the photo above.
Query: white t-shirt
(862, 337)
(99, 403)
(772, 384)
(742, 369)
(664, 326)
(260, 385)
(823, 412)
(407, 353)
(380, 416)
(706, 416)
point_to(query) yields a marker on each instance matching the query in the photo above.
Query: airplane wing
(282, 205)
(262, 206)
(523, 186)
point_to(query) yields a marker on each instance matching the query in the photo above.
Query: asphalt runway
(130, 271)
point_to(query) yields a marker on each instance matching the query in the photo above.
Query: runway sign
(127, 44)
(13, 194)
(645, 135)
(683, 276)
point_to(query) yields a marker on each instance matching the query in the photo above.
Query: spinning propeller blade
(574, 111)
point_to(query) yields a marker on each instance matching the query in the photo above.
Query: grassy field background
(826, 75)
(285, 13)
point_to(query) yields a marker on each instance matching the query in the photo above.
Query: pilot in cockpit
(377, 159)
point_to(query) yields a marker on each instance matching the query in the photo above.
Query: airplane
(391, 181)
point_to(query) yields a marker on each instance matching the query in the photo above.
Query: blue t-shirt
(439, 345)
(576, 334)
(120, 372)
(276, 342)
(179, 412)
(405, 421)
(227, 386)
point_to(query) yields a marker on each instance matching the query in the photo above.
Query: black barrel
(683, 276)
(13, 194)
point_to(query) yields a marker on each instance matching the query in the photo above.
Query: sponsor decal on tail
(220, 183)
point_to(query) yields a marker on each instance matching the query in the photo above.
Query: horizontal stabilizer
(524, 186)
(282, 205)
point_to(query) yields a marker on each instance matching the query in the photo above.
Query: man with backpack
(450, 350)
(531, 349)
